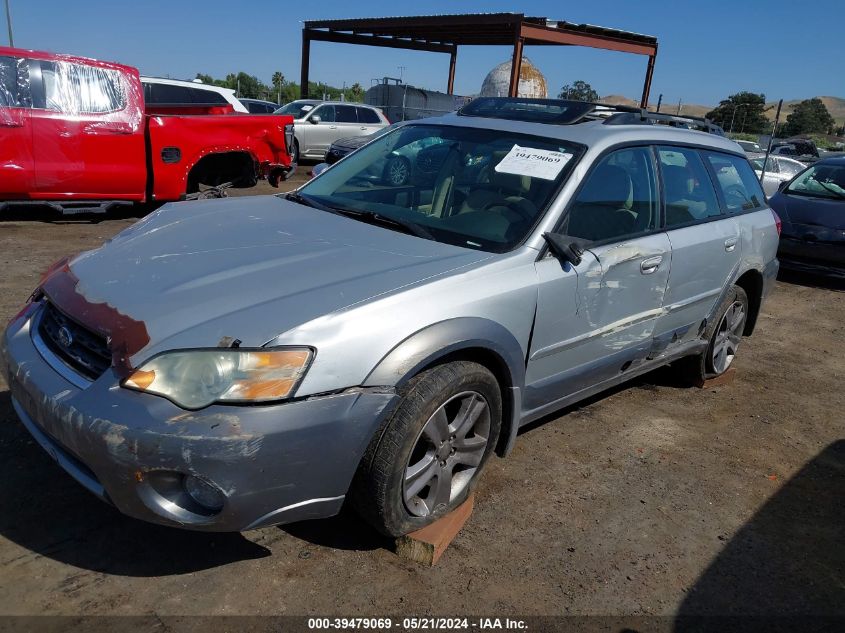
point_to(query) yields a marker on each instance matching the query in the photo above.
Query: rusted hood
(247, 268)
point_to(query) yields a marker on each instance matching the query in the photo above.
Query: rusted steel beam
(561, 36)
(516, 65)
(453, 60)
(371, 40)
(647, 85)
(306, 61)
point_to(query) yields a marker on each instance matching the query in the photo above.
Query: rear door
(17, 169)
(595, 320)
(346, 118)
(88, 132)
(369, 120)
(706, 244)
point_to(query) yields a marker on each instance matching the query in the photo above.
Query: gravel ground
(651, 499)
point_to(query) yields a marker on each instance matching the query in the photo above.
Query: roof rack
(566, 112)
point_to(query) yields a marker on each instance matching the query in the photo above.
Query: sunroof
(556, 111)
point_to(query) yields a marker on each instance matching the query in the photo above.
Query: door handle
(363, 127)
(730, 243)
(332, 127)
(650, 265)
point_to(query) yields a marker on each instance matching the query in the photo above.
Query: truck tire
(427, 457)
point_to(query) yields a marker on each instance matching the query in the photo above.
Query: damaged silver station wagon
(236, 363)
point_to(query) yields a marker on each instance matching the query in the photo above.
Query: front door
(17, 171)
(595, 321)
(88, 132)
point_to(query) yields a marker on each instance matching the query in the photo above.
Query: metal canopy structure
(444, 33)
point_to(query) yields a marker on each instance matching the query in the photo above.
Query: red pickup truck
(75, 135)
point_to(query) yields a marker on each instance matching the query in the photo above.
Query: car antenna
(771, 138)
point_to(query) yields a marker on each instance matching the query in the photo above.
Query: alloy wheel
(447, 453)
(728, 336)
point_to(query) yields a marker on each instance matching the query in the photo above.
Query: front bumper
(274, 464)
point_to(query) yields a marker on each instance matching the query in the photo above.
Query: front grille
(82, 350)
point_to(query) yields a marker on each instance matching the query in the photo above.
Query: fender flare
(445, 338)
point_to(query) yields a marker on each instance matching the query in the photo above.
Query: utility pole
(771, 138)
(9, 24)
(659, 101)
(679, 107)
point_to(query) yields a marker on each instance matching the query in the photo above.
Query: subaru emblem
(65, 337)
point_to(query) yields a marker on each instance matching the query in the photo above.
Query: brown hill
(834, 105)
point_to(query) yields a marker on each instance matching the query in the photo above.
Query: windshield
(297, 109)
(476, 188)
(822, 181)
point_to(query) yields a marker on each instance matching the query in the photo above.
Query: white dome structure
(532, 84)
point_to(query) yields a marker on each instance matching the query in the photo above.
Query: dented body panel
(374, 306)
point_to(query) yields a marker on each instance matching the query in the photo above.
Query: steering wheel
(512, 205)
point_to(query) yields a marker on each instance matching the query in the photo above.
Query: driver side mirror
(315, 119)
(566, 248)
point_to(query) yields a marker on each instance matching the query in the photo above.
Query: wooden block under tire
(426, 546)
(725, 379)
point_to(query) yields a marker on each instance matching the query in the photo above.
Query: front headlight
(197, 378)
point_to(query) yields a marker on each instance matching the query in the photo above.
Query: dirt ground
(653, 499)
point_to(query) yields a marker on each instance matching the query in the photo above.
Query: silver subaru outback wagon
(235, 363)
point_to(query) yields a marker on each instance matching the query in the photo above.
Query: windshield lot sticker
(537, 163)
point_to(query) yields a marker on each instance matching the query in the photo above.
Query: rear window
(367, 115)
(167, 94)
(740, 187)
(76, 88)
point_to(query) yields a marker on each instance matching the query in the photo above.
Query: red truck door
(17, 171)
(87, 131)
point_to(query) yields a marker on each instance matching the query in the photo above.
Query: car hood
(803, 213)
(353, 142)
(200, 273)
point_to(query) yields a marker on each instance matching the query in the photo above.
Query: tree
(743, 111)
(278, 81)
(578, 91)
(356, 92)
(807, 117)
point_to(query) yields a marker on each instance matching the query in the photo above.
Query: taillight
(289, 137)
(778, 223)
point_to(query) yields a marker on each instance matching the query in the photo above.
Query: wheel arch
(465, 338)
(751, 281)
(236, 165)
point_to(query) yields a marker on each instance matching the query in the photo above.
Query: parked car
(378, 343)
(812, 208)
(257, 106)
(779, 169)
(797, 148)
(750, 146)
(81, 138)
(174, 92)
(344, 146)
(321, 123)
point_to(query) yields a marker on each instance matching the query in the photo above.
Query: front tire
(428, 456)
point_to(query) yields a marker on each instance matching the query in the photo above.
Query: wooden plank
(725, 379)
(427, 545)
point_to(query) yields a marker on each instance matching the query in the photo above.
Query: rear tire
(724, 334)
(427, 457)
(294, 154)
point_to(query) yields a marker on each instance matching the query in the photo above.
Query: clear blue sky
(783, 48)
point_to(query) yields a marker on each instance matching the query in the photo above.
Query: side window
(345, 114)
(740, 187)
(366, 115)
(14, 83)
(789, 168)
(206, 97)
(326, 113)
(75, 89)
(687, 188)
(618, 199)
(165, 94)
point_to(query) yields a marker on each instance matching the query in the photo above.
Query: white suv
(175, 91)
(318, 124)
